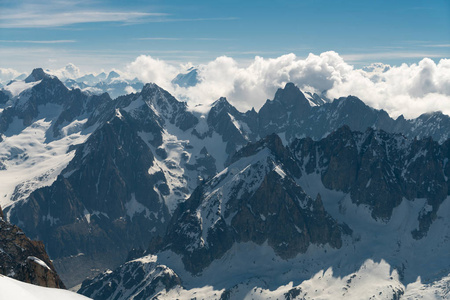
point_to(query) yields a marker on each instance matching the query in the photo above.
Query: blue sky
(107, 34)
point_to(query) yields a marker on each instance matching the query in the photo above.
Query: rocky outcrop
(24, 259)
(379, 169)
(141, 278)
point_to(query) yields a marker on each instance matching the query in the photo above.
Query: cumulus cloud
(149, 69)
(406, 89)
(70, 71)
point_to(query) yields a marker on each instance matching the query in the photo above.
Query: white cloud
(8, 74)
(406, 89)
(129, 89)
(56, 13)
(33, 20)
(70, 71)
(149, 69)
(38, 42)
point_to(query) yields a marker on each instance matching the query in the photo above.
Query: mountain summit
(36, 75)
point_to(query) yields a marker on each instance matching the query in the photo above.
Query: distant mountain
(188, 79)
(111, 83)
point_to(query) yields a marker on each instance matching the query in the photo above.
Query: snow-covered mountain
(187, 79)
(255, 230)
(112, 83)
(95, 177)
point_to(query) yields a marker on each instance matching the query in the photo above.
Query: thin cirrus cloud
(57, 19)
(39, 42)
(390, 55)
(59, 13)
(181, 39)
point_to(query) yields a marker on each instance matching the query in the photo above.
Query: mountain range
(306, 197)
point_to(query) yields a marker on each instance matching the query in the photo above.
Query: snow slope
(11, 289)
(30, 160)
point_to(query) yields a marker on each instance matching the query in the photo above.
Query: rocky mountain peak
(36, 75)
(164, 104)
(222, 105)
(221, 102)
(291, 95)
(153, 92)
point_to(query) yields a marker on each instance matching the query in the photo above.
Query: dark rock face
(264, 205)
(379, 169)
(236, 128)
(3, 98)
(137, 279)
(104, 203)
(24, 259)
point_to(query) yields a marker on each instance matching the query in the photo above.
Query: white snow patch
(18, 87)
(38, 261)
(134, 207)
(12, 289)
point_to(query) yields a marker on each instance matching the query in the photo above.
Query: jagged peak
(36, 75)
(221, 103)
(350, 99)
(272, 142)
(290, 96)
(112, 75)
(150, 87)
(152, 91)
(432, 114)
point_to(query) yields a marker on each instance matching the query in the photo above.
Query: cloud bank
(406, 89)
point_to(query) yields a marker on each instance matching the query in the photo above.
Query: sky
(111, 34)
(393, 55)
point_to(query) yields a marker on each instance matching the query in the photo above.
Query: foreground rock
(24, 259)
